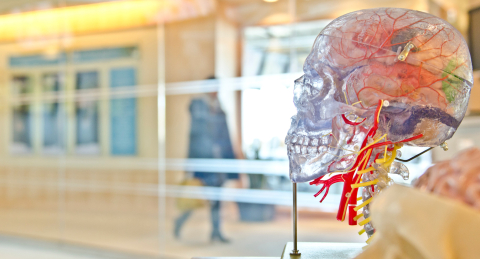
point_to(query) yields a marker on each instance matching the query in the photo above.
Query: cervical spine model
(375, 80)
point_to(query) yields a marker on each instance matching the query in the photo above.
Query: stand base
(316, 250)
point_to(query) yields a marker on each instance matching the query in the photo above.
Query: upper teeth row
(308, 141)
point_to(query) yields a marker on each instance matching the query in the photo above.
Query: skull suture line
(375, 79)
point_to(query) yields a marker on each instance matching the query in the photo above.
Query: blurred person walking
(209, 138)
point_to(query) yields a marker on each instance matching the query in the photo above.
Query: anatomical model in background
(375, 80)
(457, 179)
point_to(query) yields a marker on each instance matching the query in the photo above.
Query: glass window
(22, 130)
(123, 113)
(87, 80)
(52, 82)
(37, 60)
(105, 54)
(21, 85)
(87, 116)
(54, 118)
(87, 128)
(53, 128)
(22, 120)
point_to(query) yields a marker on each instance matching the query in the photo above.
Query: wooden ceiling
(258, 12)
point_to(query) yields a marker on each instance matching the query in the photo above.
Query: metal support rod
(295, 250)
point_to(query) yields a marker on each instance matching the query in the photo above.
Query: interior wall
(214, 40)
(227, 64)
(454, 12)
(186, 42)
(472, 4)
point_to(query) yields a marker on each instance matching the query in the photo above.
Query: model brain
(458, 178)
(375, 79)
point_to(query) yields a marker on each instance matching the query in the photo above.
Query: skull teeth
(312, 150)
(307, 145)
(308, 141)
(327, 140)
(300, 140)
(304, 150)
(294, 139)
(297, 149)
(288, 139)
(322, 149)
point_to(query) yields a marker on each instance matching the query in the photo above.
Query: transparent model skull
(375, 79)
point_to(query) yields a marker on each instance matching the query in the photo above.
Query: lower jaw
(305, 172)
(303, 165)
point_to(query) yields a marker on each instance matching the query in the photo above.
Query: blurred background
(115, 115)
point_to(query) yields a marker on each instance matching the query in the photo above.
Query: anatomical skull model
(374, 81)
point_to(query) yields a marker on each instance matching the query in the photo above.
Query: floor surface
(31, 233)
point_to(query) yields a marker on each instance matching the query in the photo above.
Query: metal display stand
(295, 251)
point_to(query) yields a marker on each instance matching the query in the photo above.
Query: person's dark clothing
(209, 138)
